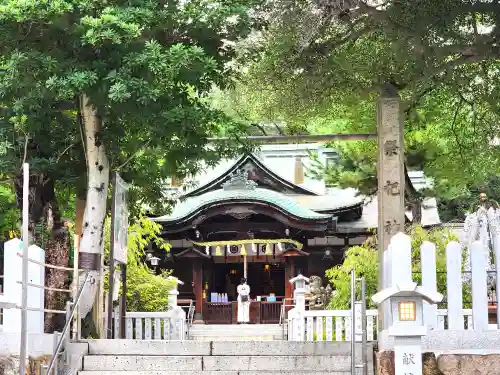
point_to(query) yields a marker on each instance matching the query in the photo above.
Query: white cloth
(243, 307)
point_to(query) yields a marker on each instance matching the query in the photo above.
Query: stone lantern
(172, 299)
(300, 290)
(407, 328)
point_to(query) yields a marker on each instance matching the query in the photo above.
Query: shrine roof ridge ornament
(239, 181)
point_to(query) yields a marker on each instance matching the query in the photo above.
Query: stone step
(215, 372)
(226, 332)
(235, 338)
(223, 348)
(253, 335)
(295, 363)
(237, 333)
(236, 328)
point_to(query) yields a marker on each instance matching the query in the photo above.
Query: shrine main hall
(263, 217)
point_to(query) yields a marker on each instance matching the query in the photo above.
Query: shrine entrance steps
(132, 357)
(236, 332)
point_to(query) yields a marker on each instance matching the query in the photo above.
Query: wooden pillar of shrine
(289, 274)
(198, 289)
(289, 255)
(196, 258)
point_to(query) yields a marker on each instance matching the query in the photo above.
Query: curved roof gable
(193, 205)
(265, 177)
(239, 189)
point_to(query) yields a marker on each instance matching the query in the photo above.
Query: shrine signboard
(120, 220)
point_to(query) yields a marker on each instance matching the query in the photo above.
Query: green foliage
(148, 67)
(145, 290)
(364, 259)
(456, 209)
(355, 167)
(319, 68)
(9, 215)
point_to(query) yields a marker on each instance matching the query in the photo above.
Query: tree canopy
(146, 66)
(319, 66)
(91, 87)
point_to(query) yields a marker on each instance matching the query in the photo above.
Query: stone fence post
(13, 251)
(178, 317)
(174, 292)
(296, 315)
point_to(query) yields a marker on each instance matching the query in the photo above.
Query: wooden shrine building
(248, 218)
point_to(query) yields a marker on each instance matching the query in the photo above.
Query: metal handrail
(283, 309)
(55, 354)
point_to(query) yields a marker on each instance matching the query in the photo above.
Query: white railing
(335, 325)
(169, 325)
(328, 325)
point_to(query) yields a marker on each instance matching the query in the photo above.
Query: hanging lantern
(268, 250)
(267, 267)
(280, 246)
(217, 251)
(207, 250)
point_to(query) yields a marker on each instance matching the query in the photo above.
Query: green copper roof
(242, 189)
(191, 205)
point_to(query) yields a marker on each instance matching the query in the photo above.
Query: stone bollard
(296, 315)
(177, 313)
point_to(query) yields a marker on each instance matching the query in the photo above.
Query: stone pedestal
(385, 364)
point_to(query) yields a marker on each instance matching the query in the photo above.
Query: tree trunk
(56, 253)
(43, 209)
(91, 243)
(41, 191)
(416, 211)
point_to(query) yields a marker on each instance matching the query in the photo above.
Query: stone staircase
(133, 357)
(236, 332)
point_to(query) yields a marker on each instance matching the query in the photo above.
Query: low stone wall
(445, 364)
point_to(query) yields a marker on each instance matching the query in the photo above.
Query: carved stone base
(385, 364)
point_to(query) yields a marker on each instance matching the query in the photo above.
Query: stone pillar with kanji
(390, 175)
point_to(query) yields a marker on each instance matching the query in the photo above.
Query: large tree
(130, 79)
(321, 64)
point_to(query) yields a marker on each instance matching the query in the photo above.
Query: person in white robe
(243, 302)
